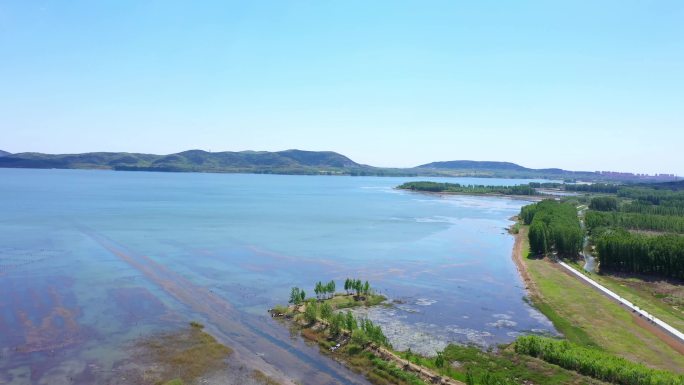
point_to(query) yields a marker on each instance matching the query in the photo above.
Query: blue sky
(583, 85)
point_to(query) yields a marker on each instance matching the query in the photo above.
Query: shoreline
(516, 255)
(531, 198)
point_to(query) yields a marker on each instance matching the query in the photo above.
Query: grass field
(586, 317)
(342, 301)
(504, 363)
(650, 296)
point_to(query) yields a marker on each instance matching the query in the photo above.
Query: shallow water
(90, 260)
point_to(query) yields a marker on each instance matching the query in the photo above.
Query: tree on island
(325, 291)
(296, 296)
(337, 322)
(439, 361)
(358, 287)
(331, 288)
(311, 312)
(350, 321)
(326, 311)
(318, 290)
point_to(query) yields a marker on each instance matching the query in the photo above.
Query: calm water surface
(91, 260)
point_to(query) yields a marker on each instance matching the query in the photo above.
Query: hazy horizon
(581, 86)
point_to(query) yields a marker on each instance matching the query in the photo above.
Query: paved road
(676, 333)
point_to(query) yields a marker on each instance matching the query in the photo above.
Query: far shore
(531, 198)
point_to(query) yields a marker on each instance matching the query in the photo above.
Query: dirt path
(425, 374)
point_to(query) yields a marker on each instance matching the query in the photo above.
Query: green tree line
(355, 285)
(545, 185)
(620, 250)
(468, 189)
(593, 188)
(666, 223)
(553, 226)
(642, 207)
(324, 290)
(594, 363)
(603, 204)
(653, 196)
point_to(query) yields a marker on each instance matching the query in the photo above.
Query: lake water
(92, 260)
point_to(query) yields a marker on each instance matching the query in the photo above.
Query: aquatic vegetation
(262, 378)
(182, 356)
(42, 317)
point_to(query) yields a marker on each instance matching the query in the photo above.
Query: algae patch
(179, 357)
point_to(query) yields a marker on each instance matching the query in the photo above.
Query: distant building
(628, 176)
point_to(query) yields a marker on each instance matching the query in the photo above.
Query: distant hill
(512, 170)
(473, 165)
(284, 162)
(503, 169)
(298, 162)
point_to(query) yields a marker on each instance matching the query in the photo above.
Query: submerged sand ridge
(228, 326)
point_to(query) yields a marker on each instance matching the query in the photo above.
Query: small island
(361, 345)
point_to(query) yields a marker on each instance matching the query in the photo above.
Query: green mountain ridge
(289, 161)
(295, 162)
(472, 164)
(501, 166)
